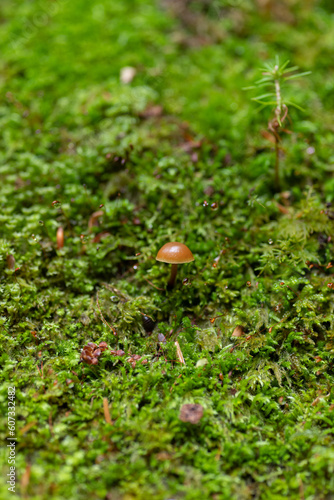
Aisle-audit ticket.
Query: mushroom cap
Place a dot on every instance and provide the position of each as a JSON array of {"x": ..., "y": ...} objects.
[{"x": 175, "y": 253}]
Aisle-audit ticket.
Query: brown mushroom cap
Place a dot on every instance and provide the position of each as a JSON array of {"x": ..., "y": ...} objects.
[{"x": 175, "y": 253}]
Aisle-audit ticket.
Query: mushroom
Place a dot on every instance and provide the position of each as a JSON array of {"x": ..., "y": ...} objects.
[{"x": 174, "y": 253}]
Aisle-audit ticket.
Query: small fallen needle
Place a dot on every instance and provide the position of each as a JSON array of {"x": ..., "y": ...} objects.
[
  {"x": 27, "y": 427},
  {"x": 179, "y": 353}
]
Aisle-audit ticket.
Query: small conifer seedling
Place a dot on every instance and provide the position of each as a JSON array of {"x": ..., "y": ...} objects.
[{"x": 274, "y": 77}]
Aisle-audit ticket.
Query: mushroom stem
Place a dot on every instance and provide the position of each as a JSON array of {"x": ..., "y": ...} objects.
[{"x": 173, "y": 272}]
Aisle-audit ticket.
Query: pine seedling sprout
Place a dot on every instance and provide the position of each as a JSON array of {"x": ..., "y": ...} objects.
[{"x": 274, "y": 77}]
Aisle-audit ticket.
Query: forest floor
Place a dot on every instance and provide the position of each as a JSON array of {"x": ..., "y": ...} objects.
[{"x": 126, "y": 125}]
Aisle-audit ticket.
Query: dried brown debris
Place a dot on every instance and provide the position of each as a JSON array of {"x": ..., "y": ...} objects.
[
  {"x": 133, "y": 360},
  {"x": 10, "y": 261},
  {"x": 119, "y": 352},
  {"x": 191, "y": 413},
  {"x": 91, "y": 352},
  {"x": 238, "y": 331}
]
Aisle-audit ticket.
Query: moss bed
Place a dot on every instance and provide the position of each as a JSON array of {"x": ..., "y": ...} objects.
[{"x": 173, "y": 150}]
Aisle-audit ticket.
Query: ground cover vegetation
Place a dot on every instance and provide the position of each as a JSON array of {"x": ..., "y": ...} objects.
[{"x": 97, "y": 173}]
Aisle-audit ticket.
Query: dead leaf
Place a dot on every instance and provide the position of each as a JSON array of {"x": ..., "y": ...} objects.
[
  {"x": 10, "y": 261},
  {"x": 201, "y": 362},
  {"x": 238, "y": 331},
  {"x": 267, "y": 135}
]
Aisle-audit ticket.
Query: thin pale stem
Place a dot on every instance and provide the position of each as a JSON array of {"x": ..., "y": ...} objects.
[
  {"x": 278, "y": 117},
  {"x": 277, "y": 163},
  {"x": 278, "y": 101}
]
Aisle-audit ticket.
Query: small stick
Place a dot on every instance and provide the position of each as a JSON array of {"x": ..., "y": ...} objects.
[
  {"x": 111, "y": 288},
  {"x": 27, "y": 427},
  {"x": 179, "y": 353},
  {"x": 106, "y": 411},
  {"x": 150, "y": 282}
]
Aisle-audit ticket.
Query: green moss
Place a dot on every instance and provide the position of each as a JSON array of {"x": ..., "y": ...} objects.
[{"x": 176, "y": 154}]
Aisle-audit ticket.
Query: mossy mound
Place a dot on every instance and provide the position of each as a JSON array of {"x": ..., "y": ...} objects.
[{"x": 174, "y": 150}]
